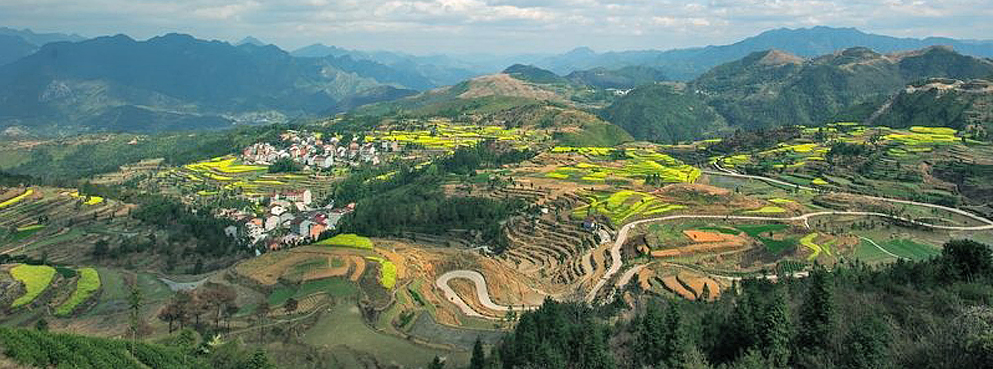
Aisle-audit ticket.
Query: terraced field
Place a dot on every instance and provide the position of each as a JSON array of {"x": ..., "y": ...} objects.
[
  {"x": 633, "y": 166},
  {"x": 560, "y": 252},
  {"x": 622, "y": 206},
  {"x": 35, "y": 278},
  {"x": 442, "y": 135},
  {"x": 86, "y": 285}
]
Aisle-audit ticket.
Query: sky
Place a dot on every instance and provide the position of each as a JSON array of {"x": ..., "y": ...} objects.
[{"x": 495, "y": 26}]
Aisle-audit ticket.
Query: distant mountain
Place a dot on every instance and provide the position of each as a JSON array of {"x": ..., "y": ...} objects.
[
  {"x": 13, "y": 48},
  {"x": 530, "y": 73},
  {"x": 39, "y": 39},
  {"x": 441, "y": 70},
  {"x": 773, "y": 88},
  {"x": 179, "y": 82},
  {"x": 249, "y": 40},
  {"x": 319, "y": 51},
  {"x": 686, "y": 64},
  {"x": 623, "y": 78}
]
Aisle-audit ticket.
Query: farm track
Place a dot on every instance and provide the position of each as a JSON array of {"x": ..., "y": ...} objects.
[{"x": 622, "y": 234}]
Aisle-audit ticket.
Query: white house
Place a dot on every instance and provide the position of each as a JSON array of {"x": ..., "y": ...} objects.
[{"x": 271, "y": 223}]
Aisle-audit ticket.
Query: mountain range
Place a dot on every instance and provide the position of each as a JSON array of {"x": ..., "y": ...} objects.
[
  {"x": 16, "y": 44},
  {"x": 686, "y": 64},
  {"x": 176, "y": 81},
  {"x": 772, "y": 88},
  {"x": 118, "y": 83}
]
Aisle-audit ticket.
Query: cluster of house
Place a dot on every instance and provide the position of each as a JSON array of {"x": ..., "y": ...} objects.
[
  {"x": 289, "y": 220},
  {"x": 313, "y": 152}
]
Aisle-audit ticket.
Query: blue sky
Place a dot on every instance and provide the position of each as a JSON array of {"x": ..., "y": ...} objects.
[{"x": 495, "y": 26}]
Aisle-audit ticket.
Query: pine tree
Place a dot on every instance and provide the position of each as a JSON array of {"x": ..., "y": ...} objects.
[
  {"x": 478, "y": 360},
  {"x": 775, "y": 330},
  {"x": 866, "y": 344},
  {"x": 817, "y": 313},
  {"x": 676, "y": 345},
  {"x": 134, "y": 300}
]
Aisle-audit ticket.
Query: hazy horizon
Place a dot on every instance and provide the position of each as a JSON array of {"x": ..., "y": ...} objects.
[{"x": 494, "y": 26}]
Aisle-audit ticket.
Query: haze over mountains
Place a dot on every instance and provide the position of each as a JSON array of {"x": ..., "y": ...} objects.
[{"x": 176, "y": 82}]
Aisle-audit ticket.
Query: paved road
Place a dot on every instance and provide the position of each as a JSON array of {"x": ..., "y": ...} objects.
[{"x": 482, "y": 293}]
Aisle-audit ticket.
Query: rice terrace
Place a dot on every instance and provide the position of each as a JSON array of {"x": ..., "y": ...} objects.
[{"x": 810, "y": 198}]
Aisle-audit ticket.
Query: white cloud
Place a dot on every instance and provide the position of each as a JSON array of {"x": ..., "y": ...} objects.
[{"x": 495, "y": 25}]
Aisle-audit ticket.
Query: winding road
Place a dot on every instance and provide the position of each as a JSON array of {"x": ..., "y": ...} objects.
[
  {"x": 615, "y": 251},
  {"x": 482, "y": 293}
]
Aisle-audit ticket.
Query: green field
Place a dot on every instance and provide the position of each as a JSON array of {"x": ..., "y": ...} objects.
[
  {"x": 910, "y": 249},
  {"x": 86, "y": 285},
  {"x": 775, "y": 246},
  {"x": 35, "y": 278},
  {"x": 636, "y": 165},
  {"x": 339, "y": 287},
  {"x": 757, "y": 229},
  {"x": 624, "y": 205},
  {"x": 869, "y": 253},
  {"x": 344, "y": 325},
  {"x": 347, "y": 240},
  {"x": 387, "y": 272}
]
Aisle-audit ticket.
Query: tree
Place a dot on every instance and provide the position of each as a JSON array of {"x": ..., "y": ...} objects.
[
  {"x": 817, "y": 313},
  {"x": 100, "y": 249},
  {"x": 437, "y": 363},
  {"x": 478, "y": 360},
  {"x": 261, "y": 312},
  {"x": 135, "y": 300},
  {"x": 775, "y": 330},
  {"x": 259, "y": 360},
  {"x": 291, "y": 305},
  {"x": 966, "y": 259},
  {"x": 170, "y": 313},
  {"x": 41, "y": 325},
  {"x": 866, "y": 344}
]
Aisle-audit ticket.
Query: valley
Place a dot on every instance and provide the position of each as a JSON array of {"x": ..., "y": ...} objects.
[{"x": 775, "y": 210}]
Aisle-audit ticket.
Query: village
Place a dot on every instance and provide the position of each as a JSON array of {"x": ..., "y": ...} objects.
[{"x": 293, "y": 216}]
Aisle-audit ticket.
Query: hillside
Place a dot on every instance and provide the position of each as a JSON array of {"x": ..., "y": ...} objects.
[
  {"x": 179, "y": 82},
  {"x": 773, "y": 88},
  {"x": 962, "y": 105},
  {"x": 13, "y": 48},
  {"x": 686, "y": 64},
  {"x": 664, "y": 113}
]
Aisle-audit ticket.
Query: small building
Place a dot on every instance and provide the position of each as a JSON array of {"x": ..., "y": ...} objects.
[
  {"x": 272, "y": 223},
  {"x": 316, "y": 230}
]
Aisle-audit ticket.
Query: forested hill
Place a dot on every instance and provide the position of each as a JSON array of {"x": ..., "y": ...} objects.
[
  {"x": 962, "y": 105},
  {"x": 773, "y": 88},
  {"x": 118, "y": 83}
]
